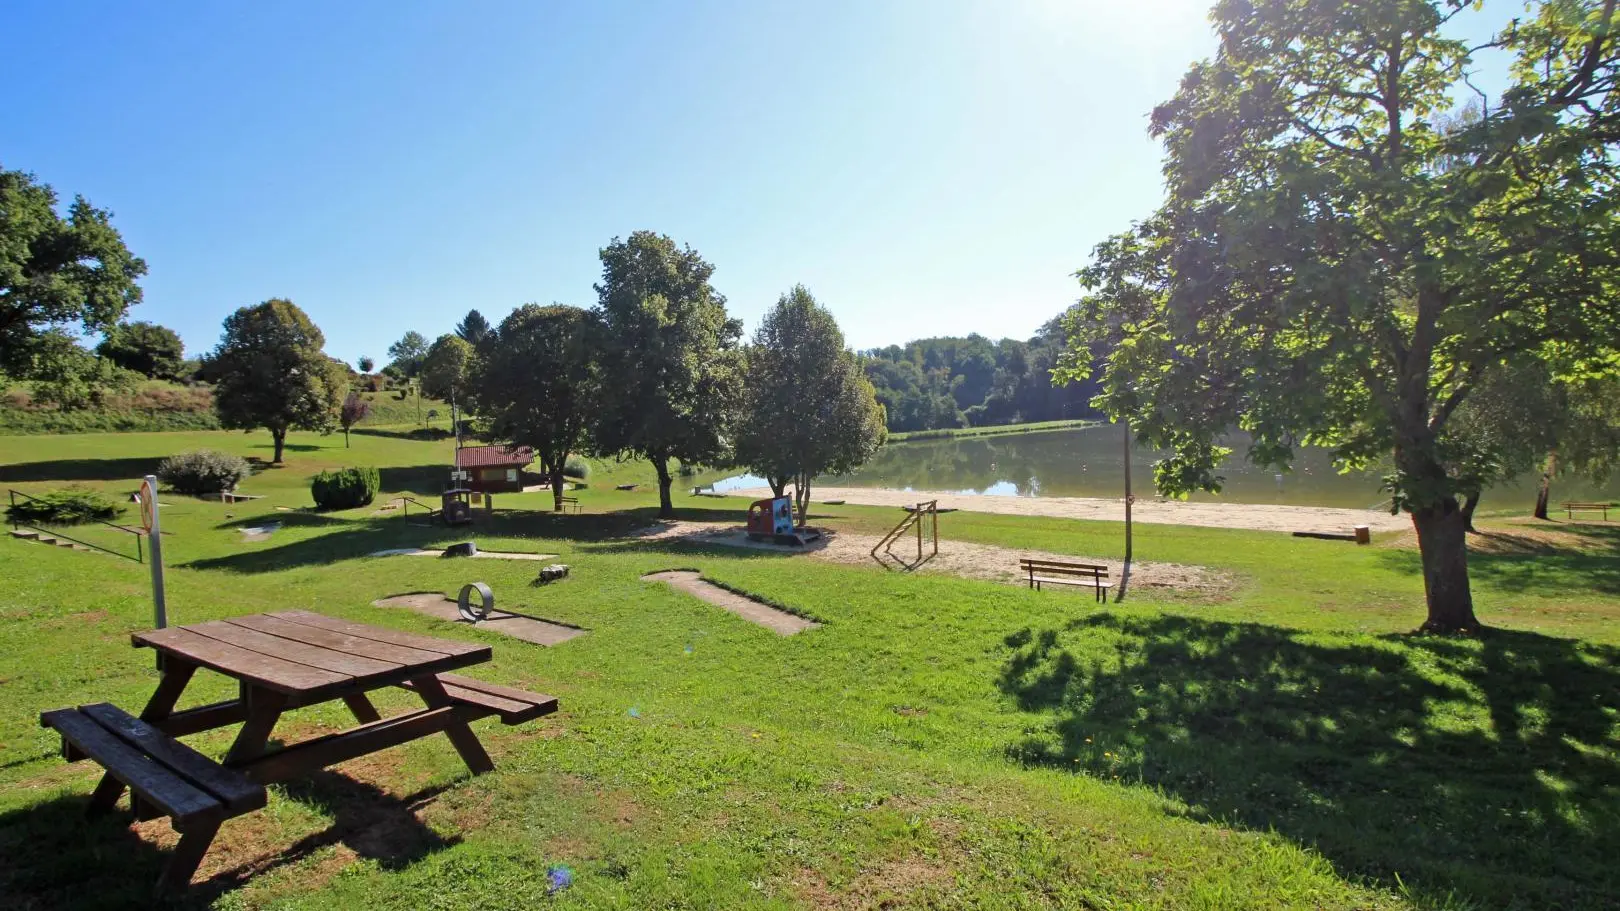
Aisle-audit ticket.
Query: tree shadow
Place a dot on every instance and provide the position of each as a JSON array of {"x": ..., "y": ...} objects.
[
  {"x": 52, "y": 856},
  {"x": 1524, "y": 563},
  {"x": 131, "y": 469},
  {"x": 1486, "y": 769}
]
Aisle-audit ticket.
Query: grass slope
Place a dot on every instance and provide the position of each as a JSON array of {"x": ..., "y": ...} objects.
[
  {"x": 939, "y": 743},
  {"x": 159, "y": 406}
]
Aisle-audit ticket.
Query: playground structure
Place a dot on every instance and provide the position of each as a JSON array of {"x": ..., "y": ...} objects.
[
  {"x": 925, "y": 513},
  {"x": 772, "y": 520}
]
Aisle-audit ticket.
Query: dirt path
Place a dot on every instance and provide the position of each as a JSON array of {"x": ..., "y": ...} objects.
[
  {"x": 957, "y": 558},
  {"x": 778, "y": 621},
  {"x": 1154, "y": 511}
]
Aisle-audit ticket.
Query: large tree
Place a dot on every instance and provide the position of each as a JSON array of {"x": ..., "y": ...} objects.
[
  {"x": 669, "y": 357},
  {"x": 446, "y": 367},
  {"x": 409, "y": 352},
  {"x": 146, "y": 348},
  {"x": 535, "y": 381},
  {"x": 807, "y": 408},
  {"x": 57, "y": 273},
  {"x": 473, "y": 328},
  {"x": 269, "y": 371},
  {"x": 1322, "y": 273}
]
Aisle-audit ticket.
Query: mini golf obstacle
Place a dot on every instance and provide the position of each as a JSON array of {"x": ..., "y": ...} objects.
[
  {"x": 774, "y": 619},
  {"x": 917, "y": 517},
  {"x": 476, "y": 606},
  {"x": 772, "y": 520}
]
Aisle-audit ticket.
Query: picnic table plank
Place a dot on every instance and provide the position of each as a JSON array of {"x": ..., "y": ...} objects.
[
  {"x": 243, "y": 664},
  {"x": 151, "y": 781},
  {"x": 237, "y": 793},
  {"x": 343, "y": 642},
  {"x": 494, "y": 689},
  {"x": 287, "y": 649},
  {"x": 392, "y": 637}
]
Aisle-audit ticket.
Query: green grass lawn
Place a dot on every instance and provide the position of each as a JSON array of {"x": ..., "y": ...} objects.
[{"x": 938, "y": 743}]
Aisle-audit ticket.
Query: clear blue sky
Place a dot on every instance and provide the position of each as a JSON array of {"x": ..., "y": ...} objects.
[{"x": 925, "y": 168}]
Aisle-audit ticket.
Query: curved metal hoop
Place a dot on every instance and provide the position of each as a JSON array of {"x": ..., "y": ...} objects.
[{"x": 474, "y": 612}]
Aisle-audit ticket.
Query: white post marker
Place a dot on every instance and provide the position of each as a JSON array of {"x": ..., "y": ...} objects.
[{"x": 152, "y": 522}]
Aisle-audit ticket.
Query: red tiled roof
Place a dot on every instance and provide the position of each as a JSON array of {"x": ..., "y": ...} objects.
[{"x": 494, "y": 456}]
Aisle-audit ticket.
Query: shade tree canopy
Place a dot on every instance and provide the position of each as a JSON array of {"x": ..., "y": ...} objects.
[
  {"x": 671, "y": 368},
  {"x": 535, "y": 381},
  {"x": 1321, "y": 272},
  {"x": 408, "y": 353},
  {"x": 57, "y": 273},
  {"x": 807, "y": 407},
  {"x": 146, "y": 348},
  {"x": 473, "y": 328},
  {"x": 269, "y": 371},
  {"x": 446, "y": 368}
]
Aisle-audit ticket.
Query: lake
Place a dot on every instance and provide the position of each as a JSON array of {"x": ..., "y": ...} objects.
[{"x": 1089, "y": 462}]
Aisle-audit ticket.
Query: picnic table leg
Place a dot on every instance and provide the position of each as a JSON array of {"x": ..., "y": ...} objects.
[
  {"x": 176, "y": 674},
  {"x": 264, "y": 710},
  {"x": 461, "y": 736},
  {"x": 364, "y": 712},
  {"x": 188, "y": 854}
]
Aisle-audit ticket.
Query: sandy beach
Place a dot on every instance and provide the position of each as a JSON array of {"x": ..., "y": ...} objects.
[{"x": 1159, "y": 512}]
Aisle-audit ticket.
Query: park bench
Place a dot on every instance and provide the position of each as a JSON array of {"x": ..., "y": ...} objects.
[
  {"x": 569, "y": 503},
  {"x": 1570, "y": 509},
  {"x": 164, "y": 776},
  {"x": 1057, "y": 572}
]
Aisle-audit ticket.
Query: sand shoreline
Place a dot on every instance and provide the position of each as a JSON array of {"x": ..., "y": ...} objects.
[{"x": 1154, "y": 511}]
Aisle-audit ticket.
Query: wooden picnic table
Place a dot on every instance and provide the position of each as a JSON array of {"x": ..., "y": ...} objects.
[{"x": 281, "y": 661}]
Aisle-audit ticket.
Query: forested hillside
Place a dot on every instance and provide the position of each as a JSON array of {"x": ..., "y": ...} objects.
[{"x": 934, "y": 383}]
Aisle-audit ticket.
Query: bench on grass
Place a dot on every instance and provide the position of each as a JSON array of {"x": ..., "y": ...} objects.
[
  {"x": 569, "y": 503},
  {"x": 1570, "y": 509},
  {"x": 164, "y": 776},
  {"x": 1057, "y": 572},
  {"x": 510, "y": 705}
]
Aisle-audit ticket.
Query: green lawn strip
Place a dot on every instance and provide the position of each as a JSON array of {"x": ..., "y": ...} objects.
[{"x": 977, "y": 744}]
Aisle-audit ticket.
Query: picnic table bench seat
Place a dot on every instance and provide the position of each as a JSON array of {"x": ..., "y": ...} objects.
[
  {"x": 164, "y": 776},
  {"x": 1059, "y": 572},
  {"x": 512, "y": 706}
]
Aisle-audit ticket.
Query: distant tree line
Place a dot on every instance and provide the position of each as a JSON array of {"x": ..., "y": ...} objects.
[{"x": 935, "y": 383}]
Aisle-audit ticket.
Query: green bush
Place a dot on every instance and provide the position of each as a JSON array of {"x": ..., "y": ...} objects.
[
  {"x": 73, "y": 506},
  {"x": 576, "y": 468},
  {"x": 203, "y": 471},
  {"x": 346, "y": 488}
]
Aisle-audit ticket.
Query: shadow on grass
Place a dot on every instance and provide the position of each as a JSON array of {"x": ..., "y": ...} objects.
[
  {"x": 131, "y": 470},
  {"x": 1482, "y": 770},
  {"x": 1524, "y": 563},
  {"x": 52, "y": 856}
]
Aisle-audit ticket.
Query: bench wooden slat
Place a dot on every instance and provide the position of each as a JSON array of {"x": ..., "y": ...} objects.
[
  {"x": 1088, "y": 583},
  {"x": 393, "y": 637},
  {"x": 290, "y": 650},
  {"x": 234, "y": 790},
  {"x": 264, "y": 670},
  {"x": 332, "y": 639},
  {"x": 513, "y": 705},
  {"x": 149, "y": 780}
]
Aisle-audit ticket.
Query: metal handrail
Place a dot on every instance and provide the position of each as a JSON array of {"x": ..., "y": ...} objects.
[{"x": 140, "y": 552}]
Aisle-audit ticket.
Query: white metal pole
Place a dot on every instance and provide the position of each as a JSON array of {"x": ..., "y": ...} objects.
[{"x": 160, "y": 608}]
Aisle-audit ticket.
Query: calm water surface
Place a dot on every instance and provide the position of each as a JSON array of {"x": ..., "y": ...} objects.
[{"x": 1090, "y": 463}]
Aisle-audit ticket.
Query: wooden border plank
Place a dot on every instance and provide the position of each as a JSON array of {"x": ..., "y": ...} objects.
[{"x": 233, "y": 789}]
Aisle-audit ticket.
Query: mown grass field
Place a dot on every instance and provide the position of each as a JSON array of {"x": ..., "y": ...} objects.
[{"x": 938, "y": 743}]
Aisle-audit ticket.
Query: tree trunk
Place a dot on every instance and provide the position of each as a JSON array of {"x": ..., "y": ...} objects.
[
  {"x": 557, "y": 487},
  {"x": 778, "y": 484},
  {"x": 1470, "y": 503},
  {"x": 345, "y": 438},
  {"x": 1443, "y": 546},
  {"x": 666, "y": 507},
  {"x": 801, "y": 496},
  {"x": 280, "y": 436},
  {"x": 1544, "y": 493}
]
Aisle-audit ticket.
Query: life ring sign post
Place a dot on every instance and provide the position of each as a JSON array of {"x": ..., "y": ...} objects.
[{"x": 152, "y": 523}]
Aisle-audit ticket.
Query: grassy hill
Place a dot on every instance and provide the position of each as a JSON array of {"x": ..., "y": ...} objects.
[
  {"x": 157, "y": 405},
  {"x": 939, "y": 742}
]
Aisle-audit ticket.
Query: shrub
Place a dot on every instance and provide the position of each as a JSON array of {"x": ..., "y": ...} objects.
[
  {"x": 345, "y": 488},
  {"x": 576, "y": 468},
  {"x": 72, "y": 506},
  {"x": 687, "y": 471},
  {"x": 203, "y": 471}
]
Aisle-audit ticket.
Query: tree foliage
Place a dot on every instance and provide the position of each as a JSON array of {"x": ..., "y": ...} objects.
[
  {"x": 807, "y": 407},
  {"x": 669, "y": 356},
  {"x": 269, "y": 371},
  {"x": 408, "y": 353},
  {"x": 365, "y": 364},
  {"x": 71, "y": 378},
  {"x": 146, "y": 348},
  {"x": 446, "y": 367},
  {"x": 536, "y": 383},
  {"x": 1322, "y": 271},
  {"x": 473, "y": 328},
  {"x": 57, "y": 273},
  {"x": 354, "y": 410}
]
